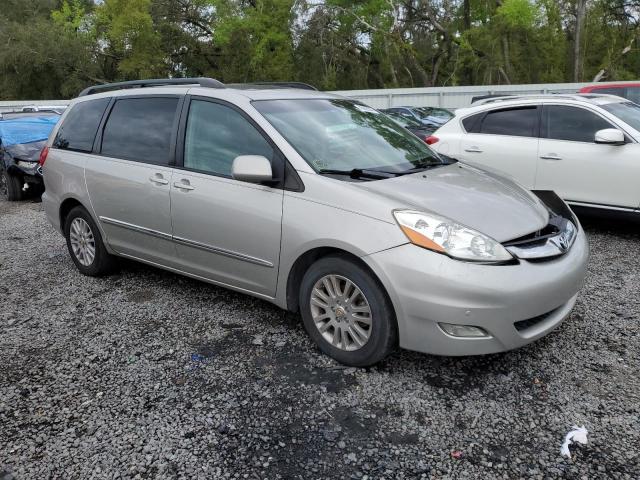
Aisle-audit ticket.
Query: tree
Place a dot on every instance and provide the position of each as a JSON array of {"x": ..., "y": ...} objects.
[{"x": 53, "y": 48}]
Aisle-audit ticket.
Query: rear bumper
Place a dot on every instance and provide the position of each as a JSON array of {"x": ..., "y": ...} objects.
[
  {"x": 427, "y": 288},
  {"x": 29, "y": 171},
  {"x": 51, "y": 207}
]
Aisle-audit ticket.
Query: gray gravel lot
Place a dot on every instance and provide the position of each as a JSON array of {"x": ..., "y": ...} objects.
[{"x": 147, "y": 374}]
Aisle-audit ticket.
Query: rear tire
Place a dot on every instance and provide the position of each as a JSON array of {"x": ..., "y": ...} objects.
[
  {"x": 85, "y": 244},
  {"x": 10, "y": 186},
  {"x": 346, "y": 312}
]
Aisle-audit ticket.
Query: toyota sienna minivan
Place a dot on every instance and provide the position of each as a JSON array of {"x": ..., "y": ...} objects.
[{"x": 318, "y": 204}]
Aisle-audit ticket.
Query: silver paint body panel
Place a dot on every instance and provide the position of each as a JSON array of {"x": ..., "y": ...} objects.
[{"x": 247, "y": 237}]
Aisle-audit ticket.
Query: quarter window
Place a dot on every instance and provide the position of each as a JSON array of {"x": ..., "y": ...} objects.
[
  {"x": 78, "y": 131},
  {"x": 140, "y": 129},
  {"x": 571, "y": 123},
  {"x": 216, "y": 135},
  {"x": 472, "y": 123},
  {"x": 519, "y": 122}
]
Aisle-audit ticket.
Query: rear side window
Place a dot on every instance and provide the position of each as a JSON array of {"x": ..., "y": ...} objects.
[
  {"x": 141, "y": 129},
  {"x": 519, "y": 122},
  {"x": 78, "y": 131},
  {"x": 571, "y": 123}
]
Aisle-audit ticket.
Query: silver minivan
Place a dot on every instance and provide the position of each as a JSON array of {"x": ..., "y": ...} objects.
[{"x": 318, "y": 204}]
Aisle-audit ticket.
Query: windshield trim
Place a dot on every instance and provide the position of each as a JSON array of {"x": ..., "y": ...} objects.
[
  {"x": 634, "y": 135},
  {"x": 438, "y": 160}
]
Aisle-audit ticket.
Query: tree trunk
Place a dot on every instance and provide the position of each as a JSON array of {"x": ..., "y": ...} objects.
[
  {"x": 581, "y": 10},
  {"x": 506, "y": 58},
  {"x": 466, "y": 14}
]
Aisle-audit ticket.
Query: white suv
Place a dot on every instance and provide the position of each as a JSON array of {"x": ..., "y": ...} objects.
[{"x": 584, "y": 147}]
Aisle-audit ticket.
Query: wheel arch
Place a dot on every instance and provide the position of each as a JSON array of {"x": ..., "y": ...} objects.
[
  {"x": 66, "y": 206},
  {"x": 308, "y": 258}
]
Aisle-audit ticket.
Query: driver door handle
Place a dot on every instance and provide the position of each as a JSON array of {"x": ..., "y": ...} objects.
[
  {"x": 473, "y": 149},
  {"x": 183, "y": 185},
  {"x": 550, "y": 156}
]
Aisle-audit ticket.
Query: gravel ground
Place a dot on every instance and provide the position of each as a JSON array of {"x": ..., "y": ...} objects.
[{"x": 147, "y": 374}]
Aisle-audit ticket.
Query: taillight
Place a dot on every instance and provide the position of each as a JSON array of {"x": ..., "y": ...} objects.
[
  {"x": 431, "y": 140},
  {"x": 43, "y": 155}
]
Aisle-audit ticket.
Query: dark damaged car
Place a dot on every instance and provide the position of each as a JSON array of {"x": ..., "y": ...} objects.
[{"x": 23, "y": 134}]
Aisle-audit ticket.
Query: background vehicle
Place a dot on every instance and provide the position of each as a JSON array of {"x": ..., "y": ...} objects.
[
  {"x": 430, "y": 117},
  {"x": 318, "y": 204},
  {"x": 23, "y": 134},
  {"x": 584, "y": 147},
  {"x": 411, "y": 124},
  {"x": 630, "y": 91}
]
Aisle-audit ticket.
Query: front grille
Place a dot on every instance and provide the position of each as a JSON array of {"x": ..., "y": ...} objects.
[
  {"x": 523, "y": 325},
  {"x": 538, "y": 237},
  {"x": 555, "y": 239}
]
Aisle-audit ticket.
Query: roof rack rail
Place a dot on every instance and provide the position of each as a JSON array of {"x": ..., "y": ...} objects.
[
  {"x": 202, "y": 81},
  {"x": 300, "y": 85}
]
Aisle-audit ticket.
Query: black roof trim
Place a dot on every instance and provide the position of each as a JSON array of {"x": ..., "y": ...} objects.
[{"x": 201, "y": 81}]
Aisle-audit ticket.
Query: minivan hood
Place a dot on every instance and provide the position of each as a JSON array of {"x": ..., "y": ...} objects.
[{"x": 484, "y": 201}]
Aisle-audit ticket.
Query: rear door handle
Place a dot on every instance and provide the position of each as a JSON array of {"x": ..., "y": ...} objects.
[
  {"x": 473, "y": 150},
  {"x": 184, "y": 185},
  {"x": 158, "y": 179},
  {"x": 550, "y": 156}
]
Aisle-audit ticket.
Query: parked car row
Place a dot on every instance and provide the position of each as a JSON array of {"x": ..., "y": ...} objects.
[
  {"x": 318, "y": 204},
  {"x": 429, "y": 117}
]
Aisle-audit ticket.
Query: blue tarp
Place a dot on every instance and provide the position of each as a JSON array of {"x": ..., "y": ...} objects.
[{"x": 26, "y": 130}]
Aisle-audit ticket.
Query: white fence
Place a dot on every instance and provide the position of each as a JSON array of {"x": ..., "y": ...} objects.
[
  {"x": 448, "y": 97},
  {"x": 10, "y": 104},
  {"x": 453, "y": 97}
]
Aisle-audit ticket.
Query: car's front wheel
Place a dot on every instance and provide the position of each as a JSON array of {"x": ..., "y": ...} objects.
[
  {"x": 346, "y": 312},
  {"x": 85, "y": 244}
]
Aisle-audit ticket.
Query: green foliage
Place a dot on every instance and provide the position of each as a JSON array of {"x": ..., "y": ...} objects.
[
  {"x": 71, "y": 15},
  {"x": 518, "y": 14},
  {"x": 127, "y": 28},
  {"x": 53, "y": 48},
  {"x": 256, "y": 41}
]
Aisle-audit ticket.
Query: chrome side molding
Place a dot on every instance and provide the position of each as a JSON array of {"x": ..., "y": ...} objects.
[{"x": 187, "y": 242}]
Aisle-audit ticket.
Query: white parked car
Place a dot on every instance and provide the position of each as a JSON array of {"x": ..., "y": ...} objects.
[{"x": 583, "y": 147}]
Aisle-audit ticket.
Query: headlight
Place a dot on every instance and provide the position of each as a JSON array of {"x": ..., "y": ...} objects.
[{"x": 446, "y": 236}]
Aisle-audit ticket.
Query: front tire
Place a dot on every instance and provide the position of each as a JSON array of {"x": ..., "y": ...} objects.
[
  {"x": 85, "y": 244},
  {"x": 346, "y": 312}
]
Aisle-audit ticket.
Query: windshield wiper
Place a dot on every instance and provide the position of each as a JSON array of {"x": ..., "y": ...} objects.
[
  {"x": 447, "y": 159},
  {"x": 358, "y": 173},
  {"x": 423, "y": 164}
]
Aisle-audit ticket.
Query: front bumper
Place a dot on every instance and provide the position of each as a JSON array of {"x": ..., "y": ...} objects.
[{"x": 427, "y": 288}]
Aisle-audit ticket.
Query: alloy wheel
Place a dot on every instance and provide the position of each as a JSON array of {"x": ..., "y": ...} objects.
[
  {"x": 83, "y": 242},
  {"x": 341, "y": 312}
]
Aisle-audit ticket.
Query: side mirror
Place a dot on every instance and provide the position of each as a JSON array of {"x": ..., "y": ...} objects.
[
  {"x": 252, "y": 169},
  {"x": 610, "y": 136}
]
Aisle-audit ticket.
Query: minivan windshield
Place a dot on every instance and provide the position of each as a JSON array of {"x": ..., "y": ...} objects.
[
  {"x": 628, "y": 112},
  {"x": 339, "y": 135}
]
